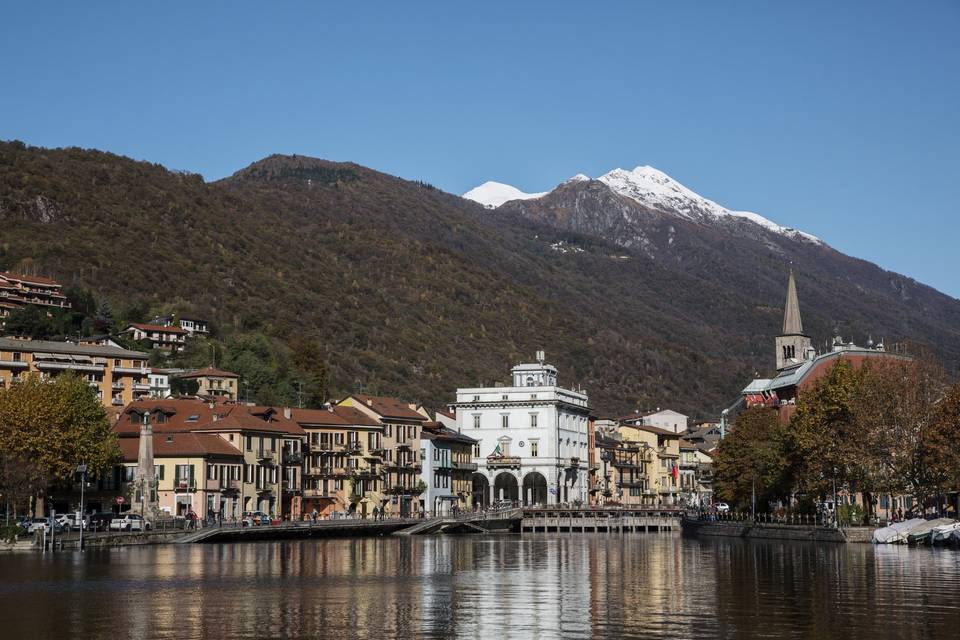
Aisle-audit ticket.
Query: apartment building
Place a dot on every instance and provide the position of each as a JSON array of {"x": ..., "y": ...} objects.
[
  {"x": 17, "y": 291},
  {"x": 196, "y": 472},
  {"x": 401, "y": 449},
  {"x": 159, "y": 336},
  {"x": 447, "y": 469},
  {"x": 270, "y": 443},
  {"x": 215, "y": 383},
  {"x": 343, "y": 460},
  {"x": 193, "y": 326},
  {"x": 119, "y": 376},
  {"x": 662, "y": 485}
]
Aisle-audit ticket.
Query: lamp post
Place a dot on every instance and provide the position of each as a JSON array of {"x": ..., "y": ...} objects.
[{"x": 82, "y": 470}]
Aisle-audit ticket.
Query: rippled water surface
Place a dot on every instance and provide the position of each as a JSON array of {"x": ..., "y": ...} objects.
[{"x": 563, "y": 586}]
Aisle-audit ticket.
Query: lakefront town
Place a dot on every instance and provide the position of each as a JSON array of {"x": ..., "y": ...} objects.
[{"x": 104, "y": 445}]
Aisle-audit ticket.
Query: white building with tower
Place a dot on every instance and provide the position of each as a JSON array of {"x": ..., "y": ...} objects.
[{"x": 532, "y": 438}]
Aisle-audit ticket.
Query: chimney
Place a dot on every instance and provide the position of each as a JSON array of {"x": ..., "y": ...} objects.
[
  {"x": 287, "y": 413},
  {"x": 369, "y": 402}
]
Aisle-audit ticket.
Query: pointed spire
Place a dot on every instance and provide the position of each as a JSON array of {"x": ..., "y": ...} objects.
[{"x": 791, "y": 312}]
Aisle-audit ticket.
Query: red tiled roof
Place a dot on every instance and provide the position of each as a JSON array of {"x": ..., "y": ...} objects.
[
  {"x": 173, "y": 445},
  {"x": 157, "y": 327},
  {"x": 338, "y": 416},
  {"x": 210, "y": 372},
  {"x": 31, "y": 279},
  {"x": 219, "y": 417},
  {"x": 388, "y": 407},
  {"x": 449, "y": 414}
]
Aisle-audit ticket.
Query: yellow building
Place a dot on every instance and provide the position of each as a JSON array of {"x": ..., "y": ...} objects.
[
  {"x": 401, "y": 445},
  {"x": 269, "y": 442},
  {"x": 195, "y": 472},
  {"x": 215, "y": 383},
  {"x": 344, "y": 454},
  {"x": 120, "y": 376},
  {"x": 662, "y": 486}
]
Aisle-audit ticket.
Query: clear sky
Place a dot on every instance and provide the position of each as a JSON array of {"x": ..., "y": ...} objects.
[{"x": 839, "y": 118}]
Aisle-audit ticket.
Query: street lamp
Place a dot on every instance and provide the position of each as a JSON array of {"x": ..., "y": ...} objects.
[{"x": 82, "y": 470}]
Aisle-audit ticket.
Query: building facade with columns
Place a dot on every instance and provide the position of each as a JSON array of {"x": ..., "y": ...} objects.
[{"x": 532, "y": 438}]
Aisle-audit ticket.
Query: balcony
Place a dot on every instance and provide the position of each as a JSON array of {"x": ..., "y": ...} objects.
[
  {"x": 184, "y": 486},
  {"x": 138, "y": 370},
  {"x": 320, "y": 493},
  {"x": 292, "y": 457},
  {"x": 503, "y": 462},
  {"x": 403, "y": 445},
  {"x": 14, "y": 364},
  {"x": 290, "y": 487},
  {"x": 465, "y": 466},
  {"x": 319, "y": 471},
  {"x": 404, "y": 491},
  {"x": 229, "y": 485},
  {"x": 118, "y": 386},
  {"x": 265, "y": 455},
  {"x": 574, "y": 463},
  {"x": 375, "y": 453},
  {"x": 141, "y": 386},
  {"x": 352, "y": 447},
  {"x": 69, "y": 366}
]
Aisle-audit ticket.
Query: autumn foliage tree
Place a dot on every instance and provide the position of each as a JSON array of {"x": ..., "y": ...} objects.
[
  {"x": 53, "y": 426},
  {"x": 751, "y": 458}
]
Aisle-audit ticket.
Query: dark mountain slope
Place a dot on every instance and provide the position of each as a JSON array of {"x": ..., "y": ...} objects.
[{"x": 414, "y": 292}]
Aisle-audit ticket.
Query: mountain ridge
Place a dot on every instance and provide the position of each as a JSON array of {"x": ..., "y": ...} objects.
[{"x": 412, "y": 291}]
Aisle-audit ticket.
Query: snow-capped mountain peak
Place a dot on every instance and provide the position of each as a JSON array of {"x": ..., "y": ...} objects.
[
  {"x": 656, "y": 190},
  {"x": 649, "y": 187},
  {"x": 493, "y": 194}
]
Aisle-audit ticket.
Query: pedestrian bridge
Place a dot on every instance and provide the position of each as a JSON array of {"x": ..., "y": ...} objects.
[{"x": 481, "y": 522}]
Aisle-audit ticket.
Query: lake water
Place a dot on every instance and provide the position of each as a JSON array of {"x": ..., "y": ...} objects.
[{"x": 535, "y": 586}]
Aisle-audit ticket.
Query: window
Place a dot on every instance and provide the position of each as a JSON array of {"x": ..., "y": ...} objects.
[
  {"x": 249, "y": 443},
  {"x": 159, "y": 417},
  {"x": 506, "y": 397},
  {"x": 475, "y": 398},
  {"x": 476, "y": 421},
  {"x": 160, "y": 472},
  {"x": 533, "y": 420},
  {"x": 534, "y": 448},
  {"x": 16, "y": 356},
  {"x": 436, "y": 454},
  {"x": 505, "y": 420},
  {"x": 476, "y": 450},
  {"x": 116, "y": 363}
]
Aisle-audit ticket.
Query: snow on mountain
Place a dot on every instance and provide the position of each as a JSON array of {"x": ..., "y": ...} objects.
[
  {"x": 657, "y": 190},
  {"x": 493, "y": 194},
  {"x": 648, "y": 186}
]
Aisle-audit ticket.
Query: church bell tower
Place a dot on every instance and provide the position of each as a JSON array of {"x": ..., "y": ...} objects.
[{"x": 793, "y": 345}]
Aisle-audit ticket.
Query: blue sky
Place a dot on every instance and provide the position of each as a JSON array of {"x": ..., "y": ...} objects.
[{"x": 842, "y": 119}]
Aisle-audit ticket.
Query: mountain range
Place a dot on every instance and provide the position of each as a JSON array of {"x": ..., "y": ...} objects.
[{"x": 639, "y": 290}]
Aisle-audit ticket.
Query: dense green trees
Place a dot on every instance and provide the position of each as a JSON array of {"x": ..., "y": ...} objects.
[{"x": 889, "y": 427}]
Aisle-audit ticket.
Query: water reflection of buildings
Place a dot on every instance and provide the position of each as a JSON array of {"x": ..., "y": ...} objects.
[{"x": 487, "y": 587}]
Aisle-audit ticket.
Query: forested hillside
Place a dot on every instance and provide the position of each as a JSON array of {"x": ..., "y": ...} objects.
[{"x": 411, "y": 291}]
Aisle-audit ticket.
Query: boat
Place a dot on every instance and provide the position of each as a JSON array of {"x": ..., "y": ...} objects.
[
  {"x": 943, "y": 533},
  {"x": 921, "y": 533},
  {"x": 896, "y": 532}
]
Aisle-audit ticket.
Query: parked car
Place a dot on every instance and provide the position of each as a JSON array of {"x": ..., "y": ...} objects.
[
  {"x": 129, "y": 522},
  {"x": 43, "y": 524},
  {"x": 722, "y": 507},
  {"x": 71, "y": 522},
  {"x": 101, "y": 521}
]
